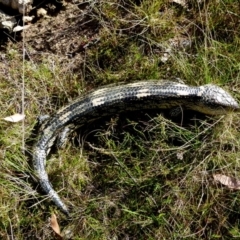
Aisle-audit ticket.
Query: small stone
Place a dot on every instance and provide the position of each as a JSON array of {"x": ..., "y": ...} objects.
[
  {"x": 41, "y": 12},
  {"x": 27, "y": 18},
  {"x": 20, "y": 28}
]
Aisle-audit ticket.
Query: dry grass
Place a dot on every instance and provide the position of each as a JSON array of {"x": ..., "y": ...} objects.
[{"x": 132, "y": 176}]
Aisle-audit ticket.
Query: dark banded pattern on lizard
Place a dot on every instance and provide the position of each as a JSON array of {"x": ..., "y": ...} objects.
[{"x": 207, "y": 99}]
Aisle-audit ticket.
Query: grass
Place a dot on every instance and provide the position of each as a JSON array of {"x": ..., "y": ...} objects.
[{"x": 131, "y": 176}]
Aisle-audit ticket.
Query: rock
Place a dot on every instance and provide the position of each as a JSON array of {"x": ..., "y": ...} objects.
[
  {"x": 6, "y": 21},
  {"x": 20, "y": 5}
]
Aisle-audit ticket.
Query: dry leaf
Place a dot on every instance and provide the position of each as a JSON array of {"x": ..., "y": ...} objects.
[
  {"x": 230, "y": 182},
  {"x": 15, "y": 118},
  {"x": 54, "y": 225}
]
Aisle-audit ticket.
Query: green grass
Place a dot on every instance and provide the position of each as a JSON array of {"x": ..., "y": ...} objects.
[{"x": 129, "y": 176}]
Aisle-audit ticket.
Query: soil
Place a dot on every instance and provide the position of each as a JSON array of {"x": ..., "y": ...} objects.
[{"x": 62, "y": 28}]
